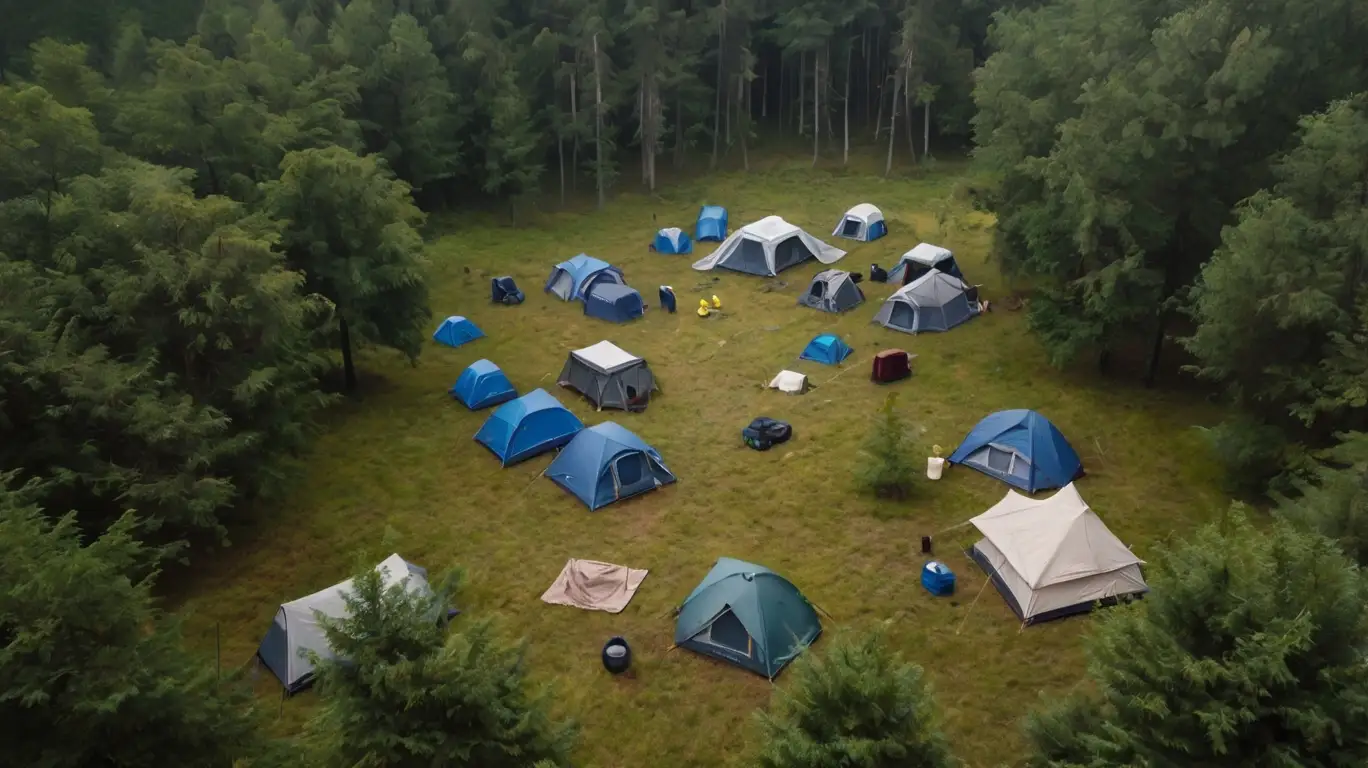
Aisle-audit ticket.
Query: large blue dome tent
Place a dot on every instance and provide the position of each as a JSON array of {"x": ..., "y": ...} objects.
[
  {"x": 456, "y": 330},
  {"x": 607, "y": 463},
  {"x": 712, "y": 224},
  {"x": 481, "y": 385},
  {"x": 572, "y": 279},
  {"x": 827, "y": 349},
  {"x": 530, "y": 425},
  {"x": 1020, "y": 448}
]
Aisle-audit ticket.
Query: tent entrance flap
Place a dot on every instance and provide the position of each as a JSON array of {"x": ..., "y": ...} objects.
[
  {"x": 851, "y": 228},
  {"x": 727, "y": 632}
]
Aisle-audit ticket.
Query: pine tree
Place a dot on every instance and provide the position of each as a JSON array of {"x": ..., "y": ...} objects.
[
  {"x": 410, "y": 693},
  {"x": 351, "y": 228},
  {"x": 1249, "y": 650},
  {"x": 889, "y": 471},
  {"x": 90, "y": 672},
  {"x": 856, "y": 703},
  {"x": 1335, "y": 503}
]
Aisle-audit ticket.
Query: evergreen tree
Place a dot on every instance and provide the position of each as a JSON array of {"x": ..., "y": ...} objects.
[
  {"x": 856, "y": 703},
  {"x": 1248, "y": 651},
  {"x": 91, "y": 673},
  {"x": 889, "y": 471},
  {"x": 410, "y": 693},
  {"x": 1335, "y": 503},
  {"x": 351, "y": 228}
]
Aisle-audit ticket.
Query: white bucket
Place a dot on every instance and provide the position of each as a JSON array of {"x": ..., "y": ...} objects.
[{"x": 934, "y": 466}]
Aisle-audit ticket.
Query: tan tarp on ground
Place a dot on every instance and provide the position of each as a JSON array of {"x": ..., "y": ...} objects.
[{"x": 594, "y": 586}]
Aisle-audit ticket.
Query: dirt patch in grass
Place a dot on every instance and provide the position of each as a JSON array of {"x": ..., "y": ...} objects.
[{"x": 399, "y": 471}]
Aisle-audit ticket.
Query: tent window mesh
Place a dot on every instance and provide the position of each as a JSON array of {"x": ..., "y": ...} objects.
[
  {"x": 726, "y": 632},
  {"x": 629, "y": 469},
  {"x": 850, "y": 228}
]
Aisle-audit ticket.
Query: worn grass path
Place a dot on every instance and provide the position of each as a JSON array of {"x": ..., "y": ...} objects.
[{"x": 398, "y": 471}]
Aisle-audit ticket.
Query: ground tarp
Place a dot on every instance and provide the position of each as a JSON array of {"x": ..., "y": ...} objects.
[{"x": 594, "y": 586}]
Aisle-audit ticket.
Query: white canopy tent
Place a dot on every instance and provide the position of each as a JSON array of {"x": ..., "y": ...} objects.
[
  {"x": 768, "y": 247},
  {"x": 297, "y": 631},
  {"x": 1054, "y": 557}
]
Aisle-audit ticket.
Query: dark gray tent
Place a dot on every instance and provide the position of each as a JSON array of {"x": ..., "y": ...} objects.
[
  {"x": 832, "y": 290},
  {"x": 609, "y": 376},
  {"x": 933, "y": 302}
]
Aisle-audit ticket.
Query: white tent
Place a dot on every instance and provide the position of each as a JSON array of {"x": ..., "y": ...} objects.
[
  {"x": 768, "y": 247},
  {"x": 923, "y": 258},
  {"x": 296, "y": 629},
  {"x": 1054, "y": 557},
  {"x": 863, "y": 222}
]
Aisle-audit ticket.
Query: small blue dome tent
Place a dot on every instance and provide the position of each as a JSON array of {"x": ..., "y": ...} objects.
[
  {"x": 456, "y": 330},
  {"x": 572, "y": 279},
  {"x": 712, "y": 224},
  {"x": 607, "y": 463},
  {"x": 530, "y": 425},
  {"x": 616, "y": 303},
  {"x": 827, "y": 349},
  {"x": 1020, "y": 448},
  {"x": 481, "y": 385},
  {"x": 672, "y": 240}
]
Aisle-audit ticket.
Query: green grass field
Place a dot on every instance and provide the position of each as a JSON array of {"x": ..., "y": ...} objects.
[{"x": 397, "y": 470}]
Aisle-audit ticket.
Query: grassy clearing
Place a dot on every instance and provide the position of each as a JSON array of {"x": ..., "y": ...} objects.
[{"x": 399, "y": 472}]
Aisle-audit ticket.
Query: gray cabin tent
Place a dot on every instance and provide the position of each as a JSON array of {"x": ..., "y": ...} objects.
[
  {"x": 922, "y": 259},
  {"x": 296, "y": 631},
  {"x": 832, "y": 290},
  {"x": 934, "y": 302},
  {"x": 609, "y": 376},
  {"x": 767, "y": 247}
]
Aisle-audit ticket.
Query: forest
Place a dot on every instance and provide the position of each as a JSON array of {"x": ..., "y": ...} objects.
[{"x": 209, "y": 211}]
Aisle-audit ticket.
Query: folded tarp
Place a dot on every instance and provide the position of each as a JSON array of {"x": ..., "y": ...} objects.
[{"x": 594, "y": 586}]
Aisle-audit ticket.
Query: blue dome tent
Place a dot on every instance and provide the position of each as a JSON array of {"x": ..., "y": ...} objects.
[
  {"x": 1020, "y": 448},
  {"x": 712, "y": 223},
  {"x": 607, "y": 463},
  {"x": 572, "y": 279},
  {"x": 616, "y": 303},
  {"x": 481, "y": 385},
  {"x": 672, "y": 240},
  {"x": 530, "y": 425},
  {"x": 456, "y": 330},
  {"x": 827, "y": 349}
]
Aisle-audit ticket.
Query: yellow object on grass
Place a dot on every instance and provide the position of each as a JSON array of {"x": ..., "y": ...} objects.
[
  {"x": 717, "y": 303},
  {"x": 703, "y": 310}
]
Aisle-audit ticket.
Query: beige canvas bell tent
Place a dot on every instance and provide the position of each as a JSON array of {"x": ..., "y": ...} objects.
[{"x": 1054, "y": 557}]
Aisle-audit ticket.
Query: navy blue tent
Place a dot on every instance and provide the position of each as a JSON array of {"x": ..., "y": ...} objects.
[
  {"x": 607, "y": 463},
  {"x": 712, "y": 223},
  {"x": 1020, "y": 448},
  {"x": 827, "y": 349},
  {"x": 533, "y": 424},
  {"x": 481, "y": 385},
  {"x": 617, "y": 303},
  {"x": 672, "y": 240},
  {"x": 456, "y": 330}
]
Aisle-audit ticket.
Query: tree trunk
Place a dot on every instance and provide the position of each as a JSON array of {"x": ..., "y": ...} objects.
[
  {"x": 652, "y": 99},
  {"x": 679, "y": 131},
  {"x": 764, "y": 95},
  {"x": 574, "y": 120},
  {"x": 826, "y": 113},
  {"x": 598, "y": 124},
  {"x": 641, "y": 124},
  {"x": 845, "y": 109},
  {"x": 348, "y": 368},
  {"x": 743, "y": 116},
  {"x": 893, "y": 122},
  {"x": 802, "y": 91},
  {"x": 717, "y": 107},
  {"x": 727, "y": 120},
  {"x": 926, "y": 130},
  {"x": 1157, "y": 347},
  {"x": 878, "y": 120},
  {"x": 1104, "y": 359},
  {"x": 816, "y": 103},
  {"x": 907, "y": 112},
  {"x": 560, "y": 161}
]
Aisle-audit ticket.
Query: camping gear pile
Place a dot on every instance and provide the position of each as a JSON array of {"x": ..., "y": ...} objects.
[
  {"x": 503, "y": 290},
  {"x": 764, "y": 433}
]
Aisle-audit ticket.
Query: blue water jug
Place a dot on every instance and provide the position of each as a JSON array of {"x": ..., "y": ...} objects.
[{"x": 938, "y": 579}]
